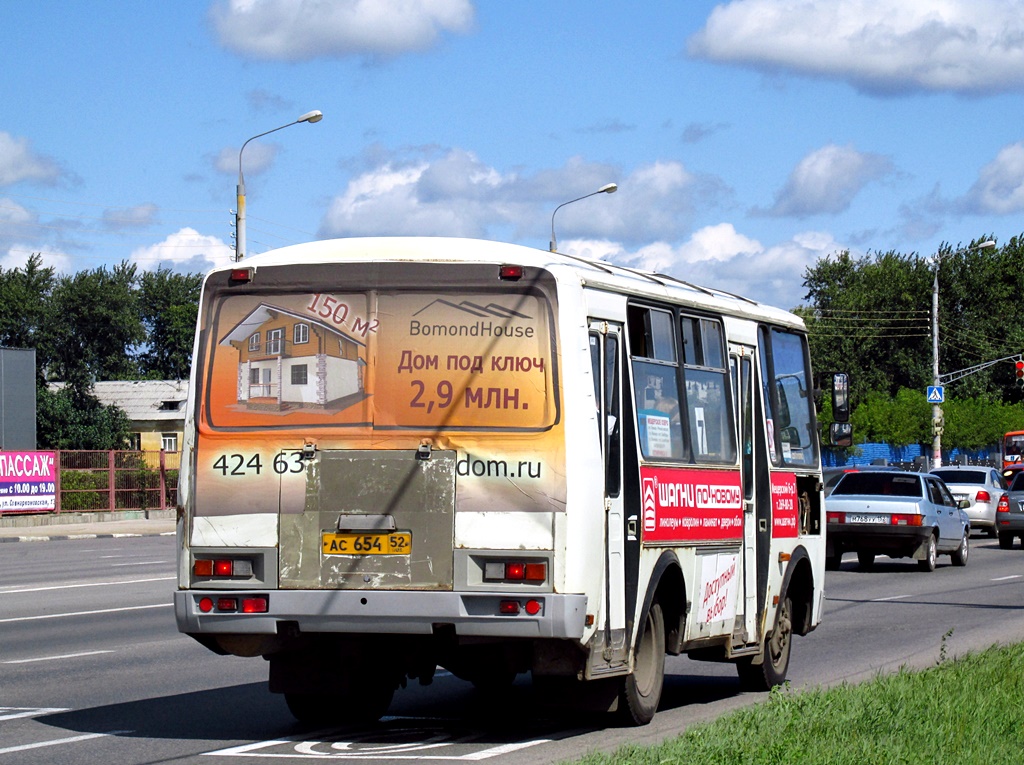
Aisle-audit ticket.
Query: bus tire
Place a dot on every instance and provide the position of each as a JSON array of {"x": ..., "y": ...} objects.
[
  {"x": 777, "y": 649},
  {"x": 641, "y": 692}
]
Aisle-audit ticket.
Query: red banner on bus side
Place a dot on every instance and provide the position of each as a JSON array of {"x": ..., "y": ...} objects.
[
  {"x": 784, "y": 505},
  {"x": 686, "y": 505}
]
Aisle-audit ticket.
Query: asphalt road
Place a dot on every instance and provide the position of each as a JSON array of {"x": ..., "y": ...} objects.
[{"x": 92, "y": 669}]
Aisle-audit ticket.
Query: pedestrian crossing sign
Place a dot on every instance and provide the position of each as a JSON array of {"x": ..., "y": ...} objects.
[{"x": 936, "y": 394}]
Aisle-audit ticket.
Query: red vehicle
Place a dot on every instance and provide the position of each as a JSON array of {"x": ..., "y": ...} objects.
[{"x": 1013, "y": 449}]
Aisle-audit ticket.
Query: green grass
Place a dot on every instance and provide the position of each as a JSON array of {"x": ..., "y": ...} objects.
[{"x": 964, "y": 711}]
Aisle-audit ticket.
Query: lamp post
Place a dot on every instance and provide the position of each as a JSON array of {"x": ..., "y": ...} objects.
[
  {"x": 608, "y": 188},
  {"x": 311, "y": 117},
  {"x": 937, "y": 379}
]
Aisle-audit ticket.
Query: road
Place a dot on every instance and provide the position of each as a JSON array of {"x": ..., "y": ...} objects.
[{"x": 92, "y": 669}]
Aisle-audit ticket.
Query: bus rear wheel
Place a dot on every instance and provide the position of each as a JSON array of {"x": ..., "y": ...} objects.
[
  {"x": 641, "y": 692},
  {"x": 777, "y": 648}
]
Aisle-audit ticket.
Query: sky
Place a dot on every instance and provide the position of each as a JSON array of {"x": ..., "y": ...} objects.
[{"x": 749, "y": 138}]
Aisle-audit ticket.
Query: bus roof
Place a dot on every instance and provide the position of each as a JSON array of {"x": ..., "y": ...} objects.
[{"x": 596, "y": 274}]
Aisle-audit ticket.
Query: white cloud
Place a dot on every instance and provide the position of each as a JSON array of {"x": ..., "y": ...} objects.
[
  {"x": 258, "y": 156},
  {"x": 964, "y": 46},
  {"x": 720, "y": 257},
  {"x": 458, "y": 195},
  {"x": 185, "y": 250},
  {"x": 18, "y": 254},
  {"x": 301, "y": 30},
  {"x": 19, "y": 163},
  {"x": 827, "y": 180},
  {"x": 139, "y": 216},
  {"x": 1000, "y": 185}
]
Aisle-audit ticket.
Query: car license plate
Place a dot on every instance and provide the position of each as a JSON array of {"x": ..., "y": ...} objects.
[
  {"x": 391, "y": 543},
  {"x": 867, "y": 518}
]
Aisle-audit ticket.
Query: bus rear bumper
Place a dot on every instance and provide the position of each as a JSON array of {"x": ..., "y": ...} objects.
[{"x": 477, "y": 614}]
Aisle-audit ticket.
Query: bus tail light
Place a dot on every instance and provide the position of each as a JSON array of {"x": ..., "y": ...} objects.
[
  {"x": 535, "y": 572},
  {"x": 232, "y": 604},
  {"x": 242, "y": 275},
  {"x": 510, "y": 273},
  {"x": 222, "y": 568}
]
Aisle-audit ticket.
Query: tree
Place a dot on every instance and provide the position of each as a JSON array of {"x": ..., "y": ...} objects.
[
  {"x": 24, "y": 294},
  {"x": 168, "y": 305},
  {"x": 93, "y": 327}
]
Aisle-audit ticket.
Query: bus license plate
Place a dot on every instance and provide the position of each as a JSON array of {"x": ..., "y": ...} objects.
[
  {"x": 866, "y": 518},
  {"x": 393, "y": 543}
]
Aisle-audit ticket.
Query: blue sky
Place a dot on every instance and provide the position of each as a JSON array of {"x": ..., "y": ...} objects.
[{"x": 748, "y": 138}]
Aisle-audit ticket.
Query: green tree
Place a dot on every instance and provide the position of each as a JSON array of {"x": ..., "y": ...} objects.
[
  {"x": 93, "y": 327},
  {"x": 168, "y": 304},
  {"x": 24, "y": 293}
]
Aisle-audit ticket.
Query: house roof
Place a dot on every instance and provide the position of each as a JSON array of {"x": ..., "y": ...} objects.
[{"x": 143, "y": 399}]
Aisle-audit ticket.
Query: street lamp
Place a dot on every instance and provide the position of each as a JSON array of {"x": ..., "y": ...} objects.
[
  {"x": 314, "y": 116},
  {"x": 608, "y": 188},
  {"x": 937, "y": 380}
]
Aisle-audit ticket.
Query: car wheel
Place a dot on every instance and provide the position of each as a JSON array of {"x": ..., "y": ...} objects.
[
  {"x": 777, "y": 648},
  {"x": 1005, "y": 541},
  {"x": 865, "y": 560},
  {"x": 960, "y": 554},
  {"x": 928, "y": 562},
  {"x": 641, "y": 691}
]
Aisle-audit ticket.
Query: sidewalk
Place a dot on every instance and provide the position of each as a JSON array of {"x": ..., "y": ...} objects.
[{"x": 51, "y": 527}]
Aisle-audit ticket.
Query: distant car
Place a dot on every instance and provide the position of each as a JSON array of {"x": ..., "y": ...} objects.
[
  {"x": 983, "y": 486},
  {"x": 1010, "y": 515},
  {"x": 895, "y": 513}
]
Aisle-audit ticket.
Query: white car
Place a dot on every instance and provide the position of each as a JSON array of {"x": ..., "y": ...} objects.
[{"x": 982, "y": 486}]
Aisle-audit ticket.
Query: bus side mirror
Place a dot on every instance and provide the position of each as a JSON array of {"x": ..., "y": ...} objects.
[
  {"x": 841, "y": 434},
  {"x": 841, "y": 397}
]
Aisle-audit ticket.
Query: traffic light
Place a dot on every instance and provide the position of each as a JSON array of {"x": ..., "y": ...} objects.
[{"x": 1019, "y": 364}]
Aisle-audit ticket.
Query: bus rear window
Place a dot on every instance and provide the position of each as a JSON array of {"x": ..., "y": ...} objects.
[{"x": 406, "y": 359}]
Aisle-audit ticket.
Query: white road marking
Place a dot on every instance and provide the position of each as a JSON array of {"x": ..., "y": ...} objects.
[
  {"x": 88, "y": 584},
  {"x": 375, "y": 749},
  {"x": 83, "y": 613},
  {"x": 17, "y": 713},
  {"x": 1006, "y": 578},
  {"x": 140, "y": 563},
  {"x": 59, "y": 741},
  {"x": 53, "y": 658},
  {"x": 891, "y": 597}
]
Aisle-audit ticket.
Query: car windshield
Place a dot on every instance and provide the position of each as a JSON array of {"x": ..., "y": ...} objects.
[
  {"x": 960, "y": 476},
  {"x": 885, "y": 484}
]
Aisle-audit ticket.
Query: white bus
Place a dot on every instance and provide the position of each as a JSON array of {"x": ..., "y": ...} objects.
[{"x": 405, "y": 453}]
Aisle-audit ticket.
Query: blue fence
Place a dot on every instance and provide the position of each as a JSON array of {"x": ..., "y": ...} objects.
[{"x": 886, "y": 454}]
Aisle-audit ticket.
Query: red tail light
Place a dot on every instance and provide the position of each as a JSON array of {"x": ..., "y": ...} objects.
[
  {"x": 901, "y": 519},
  {"x": 983, "y": 496},
  {"x": 1004, "y": 504},
  {"x": 835, "y": 517}
]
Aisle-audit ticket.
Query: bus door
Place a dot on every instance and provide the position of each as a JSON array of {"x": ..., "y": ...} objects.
[
  {"x": 606, "y": 361},
  {"x": 742, "y": 366}
]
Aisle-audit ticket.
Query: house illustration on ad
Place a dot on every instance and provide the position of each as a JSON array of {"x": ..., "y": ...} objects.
[{"x": 289, "y": 361}]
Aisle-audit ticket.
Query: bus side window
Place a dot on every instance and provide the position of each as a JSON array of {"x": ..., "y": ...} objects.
[
  {"x": 707, "y": 395},
  {"x": 652, "y": 349}
]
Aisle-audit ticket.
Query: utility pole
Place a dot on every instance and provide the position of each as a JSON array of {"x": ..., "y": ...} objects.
[{"x": 936, "y": 377}]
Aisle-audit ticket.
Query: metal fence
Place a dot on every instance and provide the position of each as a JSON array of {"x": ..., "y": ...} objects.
[{"x": 116, "y": 480}]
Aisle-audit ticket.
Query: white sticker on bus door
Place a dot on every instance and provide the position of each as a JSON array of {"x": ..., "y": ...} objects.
[{"x": 719, "y": 585}]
